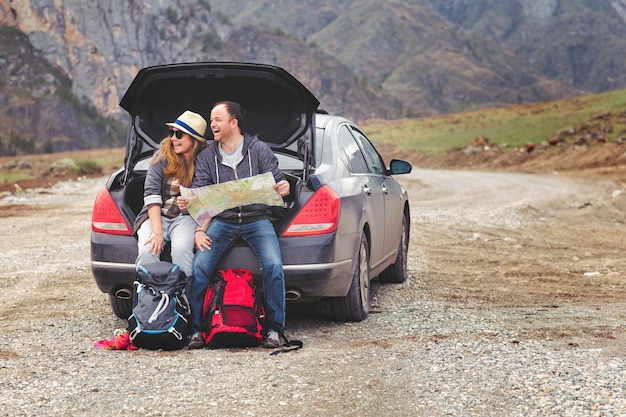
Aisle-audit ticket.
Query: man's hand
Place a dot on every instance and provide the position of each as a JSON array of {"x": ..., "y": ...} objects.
[
  {"x": 282, "y": 188},
  {"x": 182, "y": 203}
]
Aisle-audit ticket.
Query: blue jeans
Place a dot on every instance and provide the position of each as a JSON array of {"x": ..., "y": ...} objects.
[
  {"x": 261, "y": 237},
  {"x": 179, "y": 232}
]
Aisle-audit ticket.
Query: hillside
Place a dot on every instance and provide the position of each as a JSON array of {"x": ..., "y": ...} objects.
[
  {"x": 594, "y": 145},
  {"x": 603, "y": 160},
  {"x": 585, "y": 133},
  {"x": 607, "y": 160}
]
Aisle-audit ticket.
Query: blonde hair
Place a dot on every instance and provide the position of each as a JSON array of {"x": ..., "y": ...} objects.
[{"x": 177, "y": 166}]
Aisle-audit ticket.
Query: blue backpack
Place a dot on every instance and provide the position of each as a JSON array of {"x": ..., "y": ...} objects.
[{"x": 160, "y": 308}]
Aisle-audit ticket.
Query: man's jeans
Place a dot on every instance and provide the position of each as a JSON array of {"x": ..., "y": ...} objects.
[{"x": 261, "y": 237}]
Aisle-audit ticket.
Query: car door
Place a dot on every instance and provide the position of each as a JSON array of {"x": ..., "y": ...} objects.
[
  {"x": 388, "y": 193},
  {"x": 371, "y": 184}
]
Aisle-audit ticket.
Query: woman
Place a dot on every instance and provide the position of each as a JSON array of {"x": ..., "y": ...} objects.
[{"x": 172, "y": 165}]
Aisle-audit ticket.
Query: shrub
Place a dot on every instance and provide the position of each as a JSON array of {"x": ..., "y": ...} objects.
[{"x": 86, "y": 167}]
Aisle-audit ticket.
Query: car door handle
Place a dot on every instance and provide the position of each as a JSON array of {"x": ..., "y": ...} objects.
[
  {"x": 385, "y": 189},
  {"x": 367, "y": 190}
]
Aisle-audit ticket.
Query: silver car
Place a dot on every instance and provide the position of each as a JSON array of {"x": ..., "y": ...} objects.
[{"x": 346, "y": 221}]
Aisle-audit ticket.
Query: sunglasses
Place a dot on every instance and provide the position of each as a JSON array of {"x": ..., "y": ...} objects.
[{"x": 179, "y": 133}]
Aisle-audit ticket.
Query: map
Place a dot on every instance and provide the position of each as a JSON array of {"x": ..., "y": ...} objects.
[{"x": 209, "y": 201}]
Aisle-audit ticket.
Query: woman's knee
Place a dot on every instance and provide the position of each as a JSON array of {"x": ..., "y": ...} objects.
[{"x": 182, "y": 251}]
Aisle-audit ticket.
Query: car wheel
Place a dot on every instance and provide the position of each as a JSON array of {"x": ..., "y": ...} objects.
[
  {"x": 355, "y": 306},
  {"x": 398, "y": 271},
  {"x": 121, "y": 303}
]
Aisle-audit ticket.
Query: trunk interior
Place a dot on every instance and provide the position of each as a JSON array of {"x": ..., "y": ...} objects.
[{"x": 272, "y": 114}]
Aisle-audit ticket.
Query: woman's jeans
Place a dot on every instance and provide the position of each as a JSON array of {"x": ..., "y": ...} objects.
[
  {"x": 179, "y": 232},
  {"x": 261, "y": 237}
]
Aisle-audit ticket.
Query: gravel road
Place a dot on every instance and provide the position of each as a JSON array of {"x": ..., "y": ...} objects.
[{"x": 514, "y": 307}]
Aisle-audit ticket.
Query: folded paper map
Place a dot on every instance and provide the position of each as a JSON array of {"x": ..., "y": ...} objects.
[{"x": 209, "y": 201}]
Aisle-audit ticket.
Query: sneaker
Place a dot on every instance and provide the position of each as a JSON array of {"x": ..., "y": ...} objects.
[
  {"x": 196, "y": 341},
  {"x": 272, "y": 340}
]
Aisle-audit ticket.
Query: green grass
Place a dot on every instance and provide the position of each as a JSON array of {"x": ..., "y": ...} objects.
[
  {"x": 13, "y": 177},
  {"x": 511, "y": 125},
  {"x": 63, "y": 165}
]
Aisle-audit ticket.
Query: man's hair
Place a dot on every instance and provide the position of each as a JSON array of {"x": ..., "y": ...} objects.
[{"x": 235, "y": 110}]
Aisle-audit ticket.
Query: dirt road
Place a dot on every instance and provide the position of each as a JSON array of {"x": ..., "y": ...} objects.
[
  {"x": 550, "y": 244},
  {"x": 514, "y": 303}
]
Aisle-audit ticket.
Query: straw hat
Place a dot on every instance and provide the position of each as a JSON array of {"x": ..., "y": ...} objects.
[{"x": 192, "y": 123}]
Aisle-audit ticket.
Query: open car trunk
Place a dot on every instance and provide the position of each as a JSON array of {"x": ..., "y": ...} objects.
[{"x": 279, "y": 110}]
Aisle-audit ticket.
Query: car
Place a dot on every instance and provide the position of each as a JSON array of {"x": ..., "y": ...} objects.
[{"x": 345, "y": 222}]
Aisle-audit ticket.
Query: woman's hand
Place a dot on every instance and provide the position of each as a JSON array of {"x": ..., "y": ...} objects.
[{"x": 156, "y": 243}]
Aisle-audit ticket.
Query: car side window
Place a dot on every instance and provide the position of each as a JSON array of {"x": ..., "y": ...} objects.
[
  {"x": 375, "y": 162},
  {"x": 356, "y": 160}
]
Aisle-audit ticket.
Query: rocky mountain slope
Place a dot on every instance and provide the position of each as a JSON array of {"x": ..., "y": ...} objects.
[
  {"x": 446, "y": 56},
  {"x": 38, "y": 113},
  {"x": 101, "y": 49},
  {"x": 576, "y": 42}
]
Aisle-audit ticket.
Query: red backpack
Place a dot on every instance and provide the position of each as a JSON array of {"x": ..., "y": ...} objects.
[{"x": 232, "y": 312}]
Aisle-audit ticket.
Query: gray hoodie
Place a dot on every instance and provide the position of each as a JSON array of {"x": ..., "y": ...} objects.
[{"x": 258, "y": 158}]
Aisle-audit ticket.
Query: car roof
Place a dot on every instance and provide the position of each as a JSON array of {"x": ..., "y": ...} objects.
[{"x": 279, "y": 109}]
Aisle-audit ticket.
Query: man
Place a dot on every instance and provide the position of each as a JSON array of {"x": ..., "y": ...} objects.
[{"x": 234, "y": 155}]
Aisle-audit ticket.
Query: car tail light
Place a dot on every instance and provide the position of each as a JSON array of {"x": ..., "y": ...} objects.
[
  {"x": 318, "y": 216},
  {"x": 106, "y": 217}
]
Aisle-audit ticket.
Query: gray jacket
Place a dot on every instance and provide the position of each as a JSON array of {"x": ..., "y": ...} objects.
[
  {"x": 258, "y": 158},
  {"x": 153, "y": 189}
]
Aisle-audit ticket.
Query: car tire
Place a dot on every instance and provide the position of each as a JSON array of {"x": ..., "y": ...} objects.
[
  {"x": 355, "y": 305},
  {"x": 398, "y": 271},
  {"x": 121, "y": 304}
]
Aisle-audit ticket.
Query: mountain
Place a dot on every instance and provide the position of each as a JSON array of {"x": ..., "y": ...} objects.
[
  {"x": 576, "y": 42},
  {"x": 102, "y": 45},
  {"x": 362, "y": 58},
  {"x": 37, "y": 110},
  {"x": 415, "y": 51},
  {"x": 444, "y": 56}
]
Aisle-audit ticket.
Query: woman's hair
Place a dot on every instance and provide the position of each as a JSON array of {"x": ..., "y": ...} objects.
[{"x": 177, "y": 166}]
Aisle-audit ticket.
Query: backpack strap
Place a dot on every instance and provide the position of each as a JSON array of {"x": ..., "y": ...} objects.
[
  {"x": 183, "y": 302},
  {"x": 161, "y": 307},
  {"x": 178, "y": 335},
  {"x": 135, "y": 332},
  {"x": 288, "y": 346}
]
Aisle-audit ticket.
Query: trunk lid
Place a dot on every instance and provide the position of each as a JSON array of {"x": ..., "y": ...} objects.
[{"x": 279, "y": 109}]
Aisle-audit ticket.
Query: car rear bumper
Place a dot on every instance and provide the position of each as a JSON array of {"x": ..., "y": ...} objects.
[
  {"x": 111, "y": 276},
  {"x": 314, "y": 266},
  {"x": 321, "y": 279}
]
